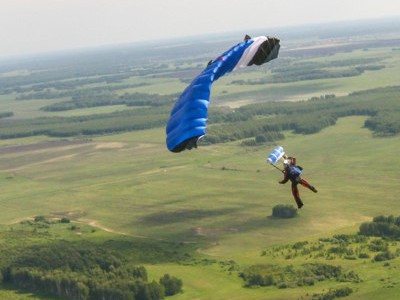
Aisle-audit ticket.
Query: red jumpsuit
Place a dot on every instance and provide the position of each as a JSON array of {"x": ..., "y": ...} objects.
[{"x": 291, "y": 174}]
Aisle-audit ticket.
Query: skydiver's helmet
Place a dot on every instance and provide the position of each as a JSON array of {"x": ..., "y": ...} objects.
[{"x": 289, "y": 161}]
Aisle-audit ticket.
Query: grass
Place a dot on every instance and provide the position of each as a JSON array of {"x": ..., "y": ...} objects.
[
  {"x": 7, "y": 293},
  {"x": 226, "y": 190},
  {"x": 217, "y": 199}
]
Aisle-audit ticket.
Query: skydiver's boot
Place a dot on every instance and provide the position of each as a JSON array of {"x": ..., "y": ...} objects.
[
  {"x": 296, "y": 195},
  {"x": 299, "y": 203},
  {"x": 313, "y": 189}
]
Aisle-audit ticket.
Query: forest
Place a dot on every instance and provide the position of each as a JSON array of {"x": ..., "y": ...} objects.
[{"x": 75, "y": 270}]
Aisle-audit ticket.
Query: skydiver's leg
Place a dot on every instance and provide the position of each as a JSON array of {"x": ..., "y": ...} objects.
[
  {"x": 296, "y": 195},
  {"x": 307, "y": 185}
]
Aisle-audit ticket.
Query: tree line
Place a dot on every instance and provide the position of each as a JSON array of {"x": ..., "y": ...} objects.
[
  {"x": 128, "y": 99},
  {"x": 307, "y": 117},
  {"x": 263, "y": 119},
  {"x": 131, "y": 285},
  {"x": 71, "y": 92},
  {"x": 107, "y": 123},
  {"x": 291, "y": 276},
  {"x": 290, "y": 70},
  {"x": 382, "y": 226}
]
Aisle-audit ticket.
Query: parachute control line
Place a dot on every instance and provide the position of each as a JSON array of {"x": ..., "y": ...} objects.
[{"x": 187, "y": 122}]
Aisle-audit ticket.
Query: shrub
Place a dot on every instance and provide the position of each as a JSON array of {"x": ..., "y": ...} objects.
[
  {"x": 139, "y": 273},
  {"x": 378, "y": 245},
  {"x": 260, "y": 139},
  {"x": 284, "y": 211},
  {"x": 259, "y": 280},
  {"x": 350, "y": 257},
  {"x": 172, "y": 285},
  {"x": 306, "y": 281},
  {"x": 333, "y": 293},
  {"x": 386, "y": 255},
  {"x": 40, "y": 219},
  {"x": 363, "y": 255},
  {"x": 74, "y": 227},
  {"x": 299, "y": 245}
]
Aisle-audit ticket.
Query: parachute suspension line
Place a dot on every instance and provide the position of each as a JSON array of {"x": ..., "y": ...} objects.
[
  {"x": 269, "y": 46},
  {"x": 277, "y": 168},
  {"x": 267, "y": 51}
]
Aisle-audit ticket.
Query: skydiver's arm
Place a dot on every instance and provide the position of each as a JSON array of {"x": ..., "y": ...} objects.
[{"x": 285, "y": 178}]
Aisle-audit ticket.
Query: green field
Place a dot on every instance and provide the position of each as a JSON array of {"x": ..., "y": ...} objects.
[
  {"x": 226, "y": 211},
  {"x": 214, "y": 204}
]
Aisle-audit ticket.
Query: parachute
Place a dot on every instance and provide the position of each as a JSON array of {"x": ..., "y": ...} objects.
[
  {"x": 187, "y": 122},
  {"x": 275, "y": 155}
]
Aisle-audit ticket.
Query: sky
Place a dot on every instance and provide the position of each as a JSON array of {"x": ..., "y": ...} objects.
[{"x": 36, "y": 26}]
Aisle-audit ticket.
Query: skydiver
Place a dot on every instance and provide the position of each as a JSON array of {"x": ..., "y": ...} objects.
[{"x": 292, "y": 172}]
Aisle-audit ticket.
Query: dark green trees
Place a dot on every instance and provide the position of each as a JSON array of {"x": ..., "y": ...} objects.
[{"x": 172, "y": 285}]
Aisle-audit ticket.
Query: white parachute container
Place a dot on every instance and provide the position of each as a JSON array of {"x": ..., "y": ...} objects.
[{"x": 275, "y": 155}]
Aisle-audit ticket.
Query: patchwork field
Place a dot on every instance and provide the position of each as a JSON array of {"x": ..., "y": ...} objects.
[{"x": 205, "y": 216}]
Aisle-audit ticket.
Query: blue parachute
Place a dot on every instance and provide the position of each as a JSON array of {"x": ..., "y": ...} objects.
[
  {"x": 275, "y": 155},
  {"x": 189, "y": 116}
]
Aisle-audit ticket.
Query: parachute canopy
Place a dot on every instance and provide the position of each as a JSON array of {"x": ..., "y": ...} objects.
[
  {"x": 275, "y": 155},
  {"x": 188, "y": 118}
]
